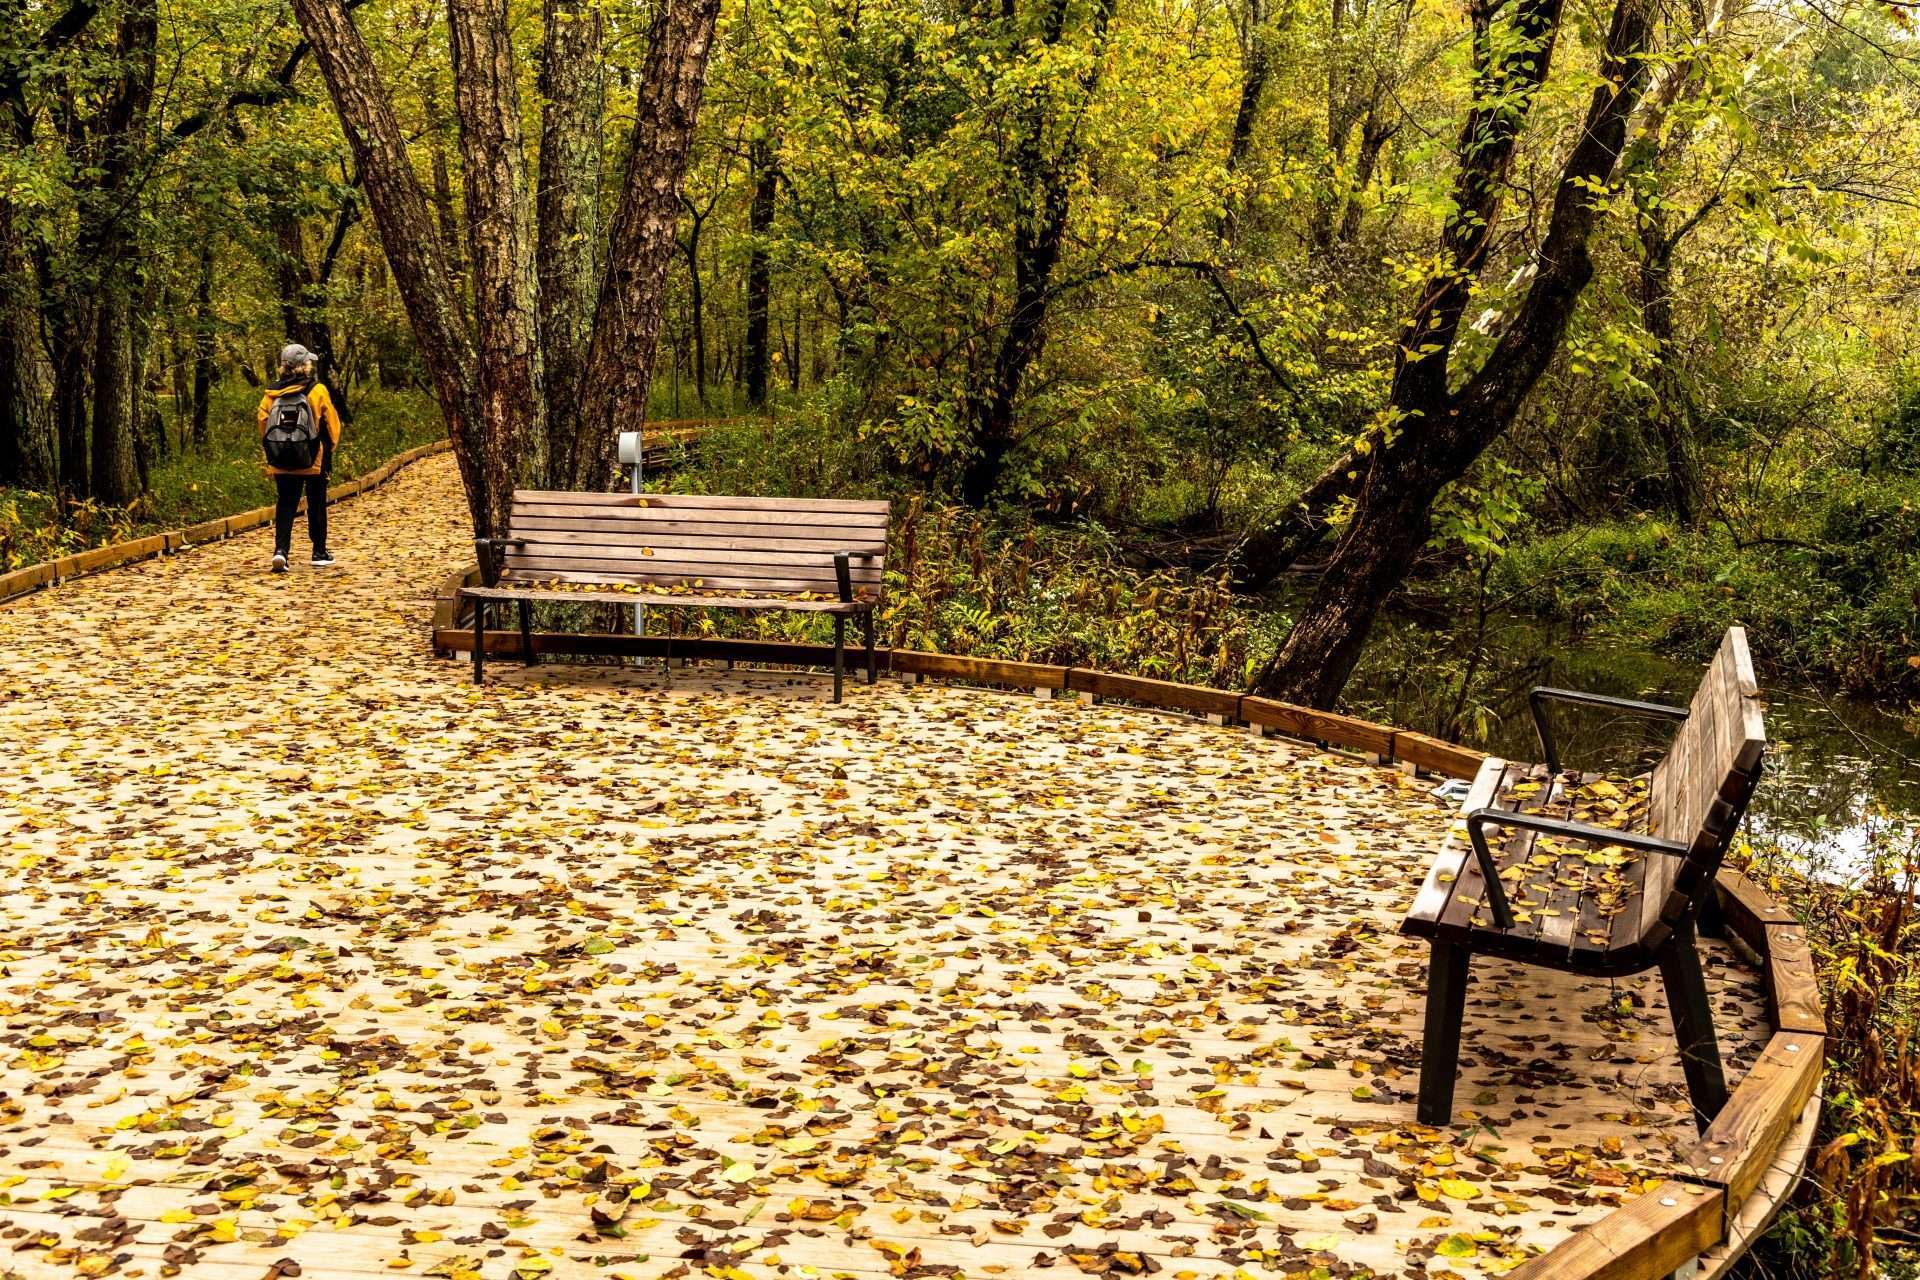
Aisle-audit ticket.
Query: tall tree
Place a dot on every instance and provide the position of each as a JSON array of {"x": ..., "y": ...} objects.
[
  {"x": 1047, "y": 156},
  {"x": 493, "y": 161},
  {"x": 1437, "y": 430},
  {"x": 641, "y": 241},
  {"x": 572, "y": 110},
  {"x": 109, "y": 245},
  {"x": 1662, "y": 137},
  {"x": 758, "y": 356},
  {"x": 414, "y": 251},
  {"x": 30, "y": 438},
  {"x": 489, "y": 376},
  {"x": 203, "y": 342}
]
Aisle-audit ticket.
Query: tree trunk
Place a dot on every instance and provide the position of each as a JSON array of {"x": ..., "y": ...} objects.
[
  {"x": 759, "y": 356},
  {"x": 180, "y": 377},
  {"x": 414, "y": 251},
  {"x": 696, "y": 305},
  {"x": 1041, "y": 204},
  {"x": 115, "y": 480},
  {"x": 1440, "y": 431},
  {"x": 1671, "y": 414},
  {"x": 486, "y": 97},
  {"x": 75, "y": 329},
  {"x": 436, "y": 121},
  {"x": 573, "y": 98},
  {"x": 149, "y": 443},
  {"x": 29, "y": 447},
  {"x": 1257, "y": 65},
  {"x": 626, "y": 326},
  {"x": 203, "y": 343}
]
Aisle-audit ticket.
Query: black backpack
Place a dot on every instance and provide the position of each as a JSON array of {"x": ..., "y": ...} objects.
[{"x": 292, "y": 440}]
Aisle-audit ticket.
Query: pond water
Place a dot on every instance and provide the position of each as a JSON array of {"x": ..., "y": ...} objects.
[{"x": 1843, "y": 777}]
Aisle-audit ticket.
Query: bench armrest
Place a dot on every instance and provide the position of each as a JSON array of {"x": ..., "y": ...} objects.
[
  {"x": 843, "y": 572},
  {"x": 1539, "y": 697},
  {"x": 1480, "y": 819},
  {"x": 487, "y": 549}
]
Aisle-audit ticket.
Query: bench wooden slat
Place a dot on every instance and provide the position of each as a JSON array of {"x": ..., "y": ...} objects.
[
  {"x": 653, "y": 556},
  {"x": 1508, "y": 846},
  {"x": 1457, "y": 852},
  {"x": 723, "y": 518},
  {"x": 765, "y": 588},
  {"x": 808, "y": 550},
  {"x": 1612, "y": 894},
  {"x": 717, "y": 501},
  {"x": 524, "y": 565},
  {"x": 666, "y": 600},
  {"x": 841, "y": 538}
]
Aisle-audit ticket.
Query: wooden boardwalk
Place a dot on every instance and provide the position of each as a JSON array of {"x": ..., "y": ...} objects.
[{"x": 319, "y": 961}]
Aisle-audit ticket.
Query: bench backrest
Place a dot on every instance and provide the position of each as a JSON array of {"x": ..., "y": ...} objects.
[
  {"x": 726, "y": 545},
  {"x": 1699, "y": 792}
]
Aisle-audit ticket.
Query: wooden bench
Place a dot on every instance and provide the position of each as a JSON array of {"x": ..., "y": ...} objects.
[
  {"x": 693, "y": 550},
  {"x": 1592, "y": 875}
]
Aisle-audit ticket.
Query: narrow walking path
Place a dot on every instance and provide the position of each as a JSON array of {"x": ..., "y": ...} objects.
[{"x": 318, "y": 960}]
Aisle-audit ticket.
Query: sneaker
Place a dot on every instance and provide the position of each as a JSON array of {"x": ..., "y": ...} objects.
[
  {"x": 279, "y": 562},
  {"x": 322, "y": 559}
]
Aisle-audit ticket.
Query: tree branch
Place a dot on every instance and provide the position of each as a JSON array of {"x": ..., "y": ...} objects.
[{"x": 1214, "y": 277}]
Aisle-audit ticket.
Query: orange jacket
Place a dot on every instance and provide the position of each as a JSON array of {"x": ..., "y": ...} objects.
[{"x": 324, "y": 414}]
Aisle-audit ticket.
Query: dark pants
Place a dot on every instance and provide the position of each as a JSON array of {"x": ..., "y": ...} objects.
[{"x": 292, "y": 489}]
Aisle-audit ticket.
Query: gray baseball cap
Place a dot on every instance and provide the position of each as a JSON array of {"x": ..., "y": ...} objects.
[{"x": 293, "y": 355}]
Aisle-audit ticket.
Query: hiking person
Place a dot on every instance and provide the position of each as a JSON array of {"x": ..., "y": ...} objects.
[{"x": 299, "y": 430}]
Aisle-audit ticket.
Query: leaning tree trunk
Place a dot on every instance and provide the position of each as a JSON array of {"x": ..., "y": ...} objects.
[
  {"x": 1271, "y": 551},
  {"x": 415, "y": 252},
  {"x": 641, "y": 244},
  {"x": 573, "y": 103},
  {"x": 1444, "y": 431}
]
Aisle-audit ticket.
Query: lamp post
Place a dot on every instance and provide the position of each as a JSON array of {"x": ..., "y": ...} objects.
[{"x": 631, "y": 456}]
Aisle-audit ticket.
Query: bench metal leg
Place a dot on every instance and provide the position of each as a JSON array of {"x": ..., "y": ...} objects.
[
  {"x": 839, "y": 652},
  {"x": 1440, "y": 1054},
  {"x": 526, "y": 631},
  {"x": 873, "y": 671},
  {"x": 1693, "y": 1024},
  {"x": 479, "y": 640}
]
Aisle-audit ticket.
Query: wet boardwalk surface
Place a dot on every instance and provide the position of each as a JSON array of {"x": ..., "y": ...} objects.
[{"x": 317, "y": 960}]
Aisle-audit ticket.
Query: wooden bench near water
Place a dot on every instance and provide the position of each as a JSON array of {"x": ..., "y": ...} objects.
[{"x": 1600, "y": 876}]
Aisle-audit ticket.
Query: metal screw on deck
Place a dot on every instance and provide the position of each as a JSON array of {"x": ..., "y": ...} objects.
[{"x": 630, "y": 456}]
